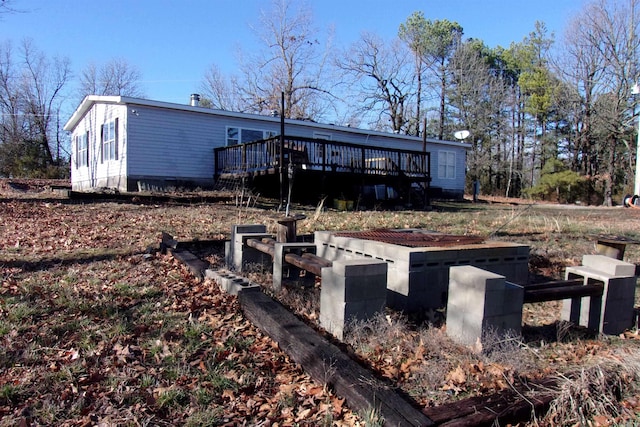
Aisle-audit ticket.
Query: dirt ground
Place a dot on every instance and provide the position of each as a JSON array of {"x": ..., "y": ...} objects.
[{"x": 98, "y": 328}]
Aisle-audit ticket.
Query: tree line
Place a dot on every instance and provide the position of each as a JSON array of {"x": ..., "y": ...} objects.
[{"x": 547, "y": 117}]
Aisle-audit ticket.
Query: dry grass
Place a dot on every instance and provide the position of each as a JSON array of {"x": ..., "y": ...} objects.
[{"x": 78, "y": 277}]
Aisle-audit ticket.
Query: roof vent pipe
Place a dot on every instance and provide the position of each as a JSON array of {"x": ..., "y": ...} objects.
[{"x": 195, "y": 100}]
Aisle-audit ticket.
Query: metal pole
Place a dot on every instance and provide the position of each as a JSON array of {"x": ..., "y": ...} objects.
[
  {"x": 281, "y": 159},
  {"x": 636, "y": 188}
]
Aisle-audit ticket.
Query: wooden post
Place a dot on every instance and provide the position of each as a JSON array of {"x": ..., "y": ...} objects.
[{"x": 287, "y": 230}]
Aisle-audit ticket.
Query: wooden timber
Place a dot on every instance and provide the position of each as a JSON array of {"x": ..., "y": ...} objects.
[
  {"x": 559, "y": 290},
  {"x": 327, "y": 364},
  {"x": 508, "y": 407}
]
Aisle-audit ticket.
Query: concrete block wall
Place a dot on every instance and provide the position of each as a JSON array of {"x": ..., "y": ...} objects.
[
  {"x": 419, "y": 277},
  {"x": 482, "y": 302},
  {"x": 351, "y": 290},
  {"x": 612, "y": 313}
]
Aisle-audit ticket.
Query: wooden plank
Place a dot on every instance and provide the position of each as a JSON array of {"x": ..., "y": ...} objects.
[
  {"x": 562, "y": 292},
  {"x": 327, "y": 364},
  {"x": 553, "y": 284},
  {"x": 512, "y": 406},
  {"x": 316, "y": 259},
  {"x": 195, "y": 265},
  {"x": 265, "y": 248}
]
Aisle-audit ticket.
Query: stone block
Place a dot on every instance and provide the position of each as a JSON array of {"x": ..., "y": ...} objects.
[
  {"x": 230, "y": 283},
  {"x": 481, "y": 302},
  {"x": 611, "y": 266},
  {"x": 612, "y": 313},
  {"x": 351, "y": 291}
]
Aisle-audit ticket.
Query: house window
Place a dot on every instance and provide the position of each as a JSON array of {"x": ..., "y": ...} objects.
[
  {"x": 237, "y": 135},
  {"x": 320, "y": 135},
  {"x": 446, "y": 164},
  {"x": 109, "y": 141},
  {"x": 82, "y": 150},
  {"x": 249, "y": 135},
  {"x": 233, "y": 136}
]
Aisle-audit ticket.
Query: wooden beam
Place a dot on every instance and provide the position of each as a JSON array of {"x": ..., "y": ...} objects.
[
  {"x": 553, "y": 284},
  {"x": 562, "y": 292},
  {"x": 512, "y": 406},
  {"x": 327, "y": 364},
  {"x": 195, "y": 265}
]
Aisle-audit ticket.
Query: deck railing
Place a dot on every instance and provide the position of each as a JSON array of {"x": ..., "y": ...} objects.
[{"x": 321, "y": 155}]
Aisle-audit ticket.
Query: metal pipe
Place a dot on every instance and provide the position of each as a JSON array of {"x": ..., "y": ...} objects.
[{"x": 636, "y": 188}]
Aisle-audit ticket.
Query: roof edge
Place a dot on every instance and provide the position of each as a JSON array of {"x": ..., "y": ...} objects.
[{"x": 90, "y": 100}]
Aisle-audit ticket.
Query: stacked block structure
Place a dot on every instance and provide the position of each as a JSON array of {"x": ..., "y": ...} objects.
[
  {"x": 352, "y": 290},
  {"x": 241, "y": 257},
  {"x": 612, "y": 313},
  {"x": 280, "y": 267},
  {"x": 418, "y": 277},
  {"x": 482, "y": 302}
]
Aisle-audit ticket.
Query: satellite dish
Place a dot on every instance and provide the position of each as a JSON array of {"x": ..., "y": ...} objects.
[{"x": 461, "y": 134}]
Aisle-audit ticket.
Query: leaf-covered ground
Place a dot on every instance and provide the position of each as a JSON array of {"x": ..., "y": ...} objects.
[{"x": 97, "y": 328}]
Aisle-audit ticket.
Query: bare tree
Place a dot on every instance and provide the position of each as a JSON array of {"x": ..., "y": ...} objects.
[
  {"x": 6, "y": 7},
  {"x": 414, "y": 32},
  {"x": 381, "y": 79},
  {"x": 30, "y": 99},
  {"x": 116, "y": 77},
  {"x": 292, "y": 61},
  {"x": 220, "y": 91}
]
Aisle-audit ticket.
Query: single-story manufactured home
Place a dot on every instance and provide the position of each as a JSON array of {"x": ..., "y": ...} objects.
[{"x": 125, "y": 143}]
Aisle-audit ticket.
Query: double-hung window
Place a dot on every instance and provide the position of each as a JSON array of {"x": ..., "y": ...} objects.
[
  {"x": 82, "y": 150},
  {"x": 446, "y": 164},
  {"x": 109, "y": 141}
]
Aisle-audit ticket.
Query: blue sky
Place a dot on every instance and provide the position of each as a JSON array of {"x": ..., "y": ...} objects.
[{"x": 174, "y": 42}]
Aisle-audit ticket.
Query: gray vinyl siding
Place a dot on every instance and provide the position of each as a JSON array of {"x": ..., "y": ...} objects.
[
  {"x": 172, "y": 144},
  {"x": 167, "y": 141}
]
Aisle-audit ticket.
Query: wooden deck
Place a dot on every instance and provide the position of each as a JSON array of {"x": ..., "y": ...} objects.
[{"x": 327, "y": 164}]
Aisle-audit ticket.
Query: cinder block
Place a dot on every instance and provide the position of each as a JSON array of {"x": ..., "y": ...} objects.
[
  {"x": 480, "y": 302},
  {"x": 353, "y": 287},
  {"x": 248, "y": 228},
  {"x": 613, "y": 312},
  {"x": 351, "y": 291},
  {"x": 280, "y": 250},
  {"x": 623, "y": 288},
  {"x": 611, "y": 266},
  {"x": 230, "y": 283},
  {"x": 360, "y": 267}
]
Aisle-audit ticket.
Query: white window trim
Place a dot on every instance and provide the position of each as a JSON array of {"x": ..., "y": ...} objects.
[
  {"x": 265, "y": 134},
  {"x": 449, "y": 166},
  {"x": 322, "y": 135},
  {"x": 82, "y": 153},
  {"x": 109, "y": 142}
]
